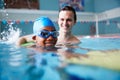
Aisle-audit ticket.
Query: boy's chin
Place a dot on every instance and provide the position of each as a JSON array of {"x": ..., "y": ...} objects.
[{"x": 49, "y": 46}]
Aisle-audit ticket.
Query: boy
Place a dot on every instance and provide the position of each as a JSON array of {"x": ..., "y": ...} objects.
[{"x": 44, "y": 33}]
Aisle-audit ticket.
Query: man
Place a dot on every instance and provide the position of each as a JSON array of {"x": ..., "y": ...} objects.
[{"x": 66, "y": 20}]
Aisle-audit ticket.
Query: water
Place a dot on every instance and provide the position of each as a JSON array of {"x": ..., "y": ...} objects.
[
  {"x": 24, "y": 64},
  {"x": 18, "y": 63},
  {"x": 100, "y": 43},
  {"x": 11, "y": 34}
]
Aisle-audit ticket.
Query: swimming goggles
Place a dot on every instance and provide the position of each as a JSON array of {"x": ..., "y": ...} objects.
[{"x": 46, "y": 34}]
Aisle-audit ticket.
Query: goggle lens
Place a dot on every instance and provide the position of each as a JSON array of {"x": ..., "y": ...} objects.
[{"x": 46, "y": 34}]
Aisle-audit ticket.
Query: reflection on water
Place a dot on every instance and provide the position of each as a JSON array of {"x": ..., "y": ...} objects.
[
  {"x": 17, "y": 63},
  {"x": 100, "y": 43}
]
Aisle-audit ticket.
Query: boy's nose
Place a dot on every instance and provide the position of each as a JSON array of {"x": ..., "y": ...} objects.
[{"x": 50, "y": 37}]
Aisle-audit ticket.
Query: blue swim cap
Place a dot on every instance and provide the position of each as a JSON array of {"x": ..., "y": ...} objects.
[{"x": 42, "y": 22}]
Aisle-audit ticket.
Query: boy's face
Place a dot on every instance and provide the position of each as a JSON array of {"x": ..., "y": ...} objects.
[{"x": 42, "y": 40}]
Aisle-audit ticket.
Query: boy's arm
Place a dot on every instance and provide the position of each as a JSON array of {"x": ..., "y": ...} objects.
[{"x": 24, "y": 39}]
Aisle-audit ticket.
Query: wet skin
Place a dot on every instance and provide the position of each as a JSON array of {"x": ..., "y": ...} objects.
[{"x": 46, "y": 42}]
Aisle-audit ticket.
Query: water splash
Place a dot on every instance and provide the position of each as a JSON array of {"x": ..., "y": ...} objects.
[{"x": 11, "y": 35}]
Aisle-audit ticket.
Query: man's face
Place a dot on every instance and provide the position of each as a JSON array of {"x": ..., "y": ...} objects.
[{"x": 66, "y": 21}]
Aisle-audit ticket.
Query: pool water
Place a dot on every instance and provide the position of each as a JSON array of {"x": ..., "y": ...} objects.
[
  {"x": 18, "y": 63},
  {"x": 100, "y": 43}
]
